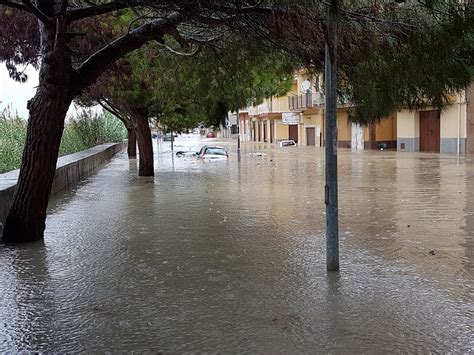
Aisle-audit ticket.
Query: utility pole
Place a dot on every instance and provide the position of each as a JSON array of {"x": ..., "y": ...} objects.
[
  {"x": 330, "y": 189},
  {"x": 238, "y": 135}
]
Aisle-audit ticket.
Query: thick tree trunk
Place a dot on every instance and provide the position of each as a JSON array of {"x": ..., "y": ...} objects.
[
  {"x": 132, "y": 143},
  {"x": 145, "y": 145},
  {"x": 26, "y": 219},
  {"x": 57, "y": 88},
  {"x": 48, "y": 108}
]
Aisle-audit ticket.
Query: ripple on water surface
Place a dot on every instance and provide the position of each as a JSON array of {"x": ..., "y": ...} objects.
[{"x": 224, "y": 257}]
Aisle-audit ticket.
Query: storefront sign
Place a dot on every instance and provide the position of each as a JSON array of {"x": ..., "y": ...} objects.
[{"x": 290, "y": 118}]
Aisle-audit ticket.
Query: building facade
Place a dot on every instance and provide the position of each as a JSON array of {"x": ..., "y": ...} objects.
[
  {"x": 434, "y": 130},
  {"x": 300, "y": 116}
]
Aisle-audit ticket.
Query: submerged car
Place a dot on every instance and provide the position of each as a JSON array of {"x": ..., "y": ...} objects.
[
  {"x": 210, "y": 135},
  {"x": 212, "y": 152},
  {"x": 287, "y": 143}
]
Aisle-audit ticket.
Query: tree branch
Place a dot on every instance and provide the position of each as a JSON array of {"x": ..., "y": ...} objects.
[
  {"x": 14, "y": 5},
  {"x": 37, "y": 12},
  {"x": 90, "y": 11},
  {"x": 106, "y": 105},
  {"x": 93, "y": 66},
  {"x": 184, "y": 54}
]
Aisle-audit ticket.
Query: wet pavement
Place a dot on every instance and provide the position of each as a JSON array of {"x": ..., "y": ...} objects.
[{"x": 228, "y": 257}]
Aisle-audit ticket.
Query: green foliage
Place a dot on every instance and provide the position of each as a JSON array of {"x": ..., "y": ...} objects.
[
  {"x": 221, "y": 77},
  {"x": 181, "y": 91},
  {"x": 424, "y": 70},
  {"x": 84, "y": 131},
  {"x": 12, "y": 140},
  {"x": 88, "y": 129}
]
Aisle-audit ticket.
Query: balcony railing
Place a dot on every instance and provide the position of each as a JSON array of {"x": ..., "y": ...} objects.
[{"x": 308, "y": 100}]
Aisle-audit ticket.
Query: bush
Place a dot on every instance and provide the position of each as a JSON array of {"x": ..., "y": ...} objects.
[{"x": 84, "y": 131}]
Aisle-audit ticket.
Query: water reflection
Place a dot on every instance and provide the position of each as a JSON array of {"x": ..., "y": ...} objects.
[
  {"x": 26, "y": 292},
  {"x": 228, "y": 257}
]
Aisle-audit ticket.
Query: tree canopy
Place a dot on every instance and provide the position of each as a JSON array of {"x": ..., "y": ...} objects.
[
  {"x": 181, "y": 91},
  {"x": 392, "y": 54}
]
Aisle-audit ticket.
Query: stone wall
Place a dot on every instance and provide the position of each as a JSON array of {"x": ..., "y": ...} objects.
[{"x": 70, "y": 169}]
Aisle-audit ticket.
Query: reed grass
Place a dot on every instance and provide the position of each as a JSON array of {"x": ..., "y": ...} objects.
[{"x": 84, "y": 131}]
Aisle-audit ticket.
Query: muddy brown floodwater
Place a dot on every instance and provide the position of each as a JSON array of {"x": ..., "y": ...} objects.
[{"x": 228, "y": 257}]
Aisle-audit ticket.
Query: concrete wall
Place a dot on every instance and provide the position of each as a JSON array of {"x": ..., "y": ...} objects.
[
  {"x": 453, "y": 124},
  {"x": 301, "y": 134},
  {"x": 280, "y": 104},
  {"x": 343, "y": 129},
  {"x": 70, "y": 169},
  {"x": 408, "y": 131},
  {"x": 281, "y": 130},
  {"x": 386, "y": 129},
  {"x": 470, "y": 120},
  {"x": 311, "y": 118}
]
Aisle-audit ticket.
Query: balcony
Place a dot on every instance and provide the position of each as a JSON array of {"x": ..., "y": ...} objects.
[
  {"x": 276, "y": 105},
  {"x": 308, "y": 100}
]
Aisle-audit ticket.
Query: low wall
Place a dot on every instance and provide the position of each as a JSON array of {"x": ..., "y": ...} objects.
[{"x": 70, "y": 169}]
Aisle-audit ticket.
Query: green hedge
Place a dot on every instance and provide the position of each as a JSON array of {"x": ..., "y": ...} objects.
[{"x": 82, "y": 132}]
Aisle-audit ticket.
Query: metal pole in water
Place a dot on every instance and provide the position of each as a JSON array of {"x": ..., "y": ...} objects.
[
  {"x": 330, "y": 189},
  {"x": 238, "y": 135}
]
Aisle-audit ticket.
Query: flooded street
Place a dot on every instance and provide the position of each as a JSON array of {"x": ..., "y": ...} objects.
[{"x": 228, "y": 257}]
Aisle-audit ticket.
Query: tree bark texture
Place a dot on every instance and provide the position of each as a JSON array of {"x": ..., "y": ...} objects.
[
  {"x": 47, "y": 111},
  {"x": 132, "y": 143},
  {"x": 145, "y": 145}
]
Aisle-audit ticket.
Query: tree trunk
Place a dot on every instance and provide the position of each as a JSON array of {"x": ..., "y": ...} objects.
[
  {"x": 56, "y": 90},
  {"x": 48, "y": 108},
  {"x": 145, "y": 145},
  {"x": 26, "y": 219},
  {"x": 132, "y": 143}
]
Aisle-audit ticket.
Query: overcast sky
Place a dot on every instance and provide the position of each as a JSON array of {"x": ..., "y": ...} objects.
[{"x": 17, "y": 94}]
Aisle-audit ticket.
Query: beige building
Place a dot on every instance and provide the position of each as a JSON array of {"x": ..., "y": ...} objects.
[
  {"x": 300, "y": 116},
  {"x": 433, "y": 130}
]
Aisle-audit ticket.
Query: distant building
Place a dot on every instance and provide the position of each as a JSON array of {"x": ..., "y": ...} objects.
[{"x": 300, "y": 116}]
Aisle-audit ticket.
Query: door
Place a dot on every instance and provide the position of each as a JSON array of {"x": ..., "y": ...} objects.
[
  {"x": 310, "y": 136},
  {"x": 429, "y": 131},
  {"x": 264, "y": 131},
  {"x": 293, "y": 132}
]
